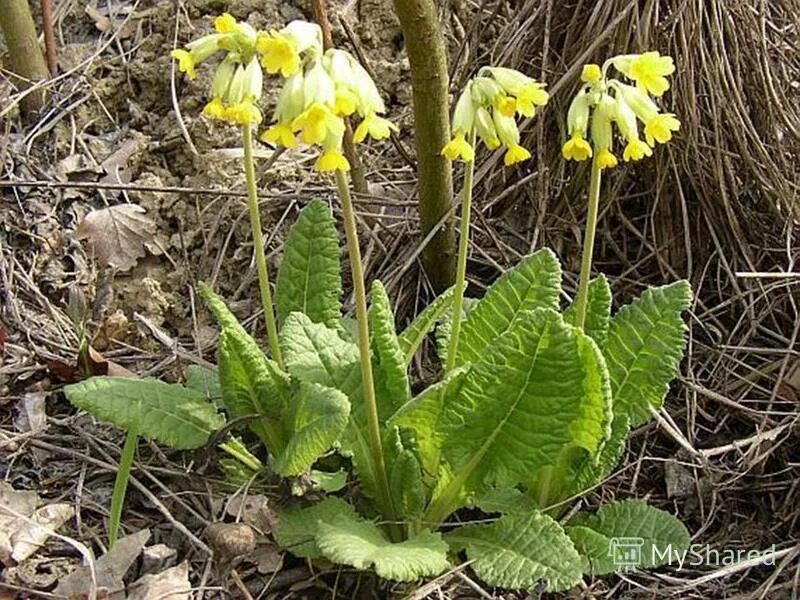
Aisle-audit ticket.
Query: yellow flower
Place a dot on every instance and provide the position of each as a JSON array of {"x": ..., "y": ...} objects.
[
  {"x": 636, "y": 150},
  {"x": 278, "y": 53},
  {"x": 316, "y": 122},
  {"x": 591, "y": 73},
  {"x": 332, "y": 160},
  {"x": 225, "y": 23},
  {"x": 186, "y": 62},
  {"x": 659, "y": 128},
  {"x": 530, "y": 97},
  {"x": 345, "y": 102},
  {"x": 516, "y": 154},
  {"x": 507, "y": 106},
  {"x": 376, "y": 127},
  {"x": 491, "y": 143},
  {"x": 243, "y": 113},
  {"x": 606, "y": 160},
  {"x": 648, "y": 70},
  {"x": 280, "y": 134},
  {"x": 459, "y": 147},
  {"x": 576, "y": 148},
  {"x": 214, "y": 109}
]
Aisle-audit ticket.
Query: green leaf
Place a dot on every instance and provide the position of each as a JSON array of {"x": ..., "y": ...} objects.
[
  {"x": 316, "y": 354},
  {"x": 328, "y": 482},
  {"x": 176, "y": 416},
  {"x": 204, "y": 380},
  {"x": 659, "y": 536},
  {"x": 645, "y": 347},
  {"x": 319, "y": 416},
  {"x": 389, "y": 366},
  {"x": 422, "y": 416},
  {"x": 359, "y": 543},
  {"x": 298, "y": 526},
  {"x": 541, "y": 389},
  {"x": 518, "y": 550},
  {"x": 533, "y": 283},
  {"x": 253, "y": 385},
  {"x": 598, "y": 311},
  {"x": 413, "y": 335},
  {"x": 594, "y": 469},
  {"x": 309, "y": 278},
  {"x": 445, "y": 328},
  {"x": 406, "y": 484},
  {"x": 504, "y": 501}
]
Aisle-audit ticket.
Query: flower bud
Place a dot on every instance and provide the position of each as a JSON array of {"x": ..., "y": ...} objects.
[
  {"x": 305, "y": 35},
  {"x": 602, "y": 132},
  {"x": 578, "y": 114},
  {"x": 222, "y": 79},
  {"x": 319, "y": 86},
  {"x": 506, "y": 128},
  {"x": 464, "y": 114}
]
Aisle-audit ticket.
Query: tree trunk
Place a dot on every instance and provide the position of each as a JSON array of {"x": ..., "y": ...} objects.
[{"x": 27, "y": 61}]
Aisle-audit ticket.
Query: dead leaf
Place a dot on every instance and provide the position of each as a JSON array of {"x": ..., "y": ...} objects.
[
  {"x": 118, "y": 235},
  {"x": 104, "y": 23},
  {"x": 34, "y": 532},
  {"x": 254, "y": 510},
  {"x": 267, "y": 557},
  {"x": 157, "y": 558},
  {"x": 109, "y": 568},
  {"x": 116, "y": 165},
  {"x": 31, "y": 416},
  {"x": 89, "y": 363},
  {"x": 172, "y": 584}
]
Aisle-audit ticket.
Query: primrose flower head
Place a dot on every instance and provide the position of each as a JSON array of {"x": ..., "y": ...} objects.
[
  {"x": 486, "y": 110},
  {"x": 325, "y": 88},
  {"x": 604, "y": 102},
  {"x": 282, "y": 51},
  {"x": 237, "y": 82}
]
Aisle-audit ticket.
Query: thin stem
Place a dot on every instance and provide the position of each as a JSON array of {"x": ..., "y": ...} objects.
[
  {"x": 121, "y": 485},
  {"x": 588, "y": 244},
  {"x": 461, "y": 265},
  {"x": 364, "y": 348},
  {"x": 258, "y": 243}
]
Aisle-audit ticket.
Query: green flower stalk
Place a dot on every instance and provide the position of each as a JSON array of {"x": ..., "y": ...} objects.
[
  {"x": 486, "y": 110},
  {"x": 608, "y": 102}
]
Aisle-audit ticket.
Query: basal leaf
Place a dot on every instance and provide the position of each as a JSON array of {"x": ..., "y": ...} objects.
[
  {"x": 533, "y": 283},
  {"x": 319, "y": 416},
  {"x": 598, "y": 311},
  {"x": 413, "y": 335},
  {"x": 504, "y": 501},
  {"x": 645, "y": 347},
  {"x": 176, "y": 416},
  {"x": 422, "y": 416},
  {"x": 253, "y": 385},
  {"x": 540, "y": 389},
  {"x": 359, "y": 543},
  {"x": 389, "y": 365},
  {"x": 405, "y": 476},
  {"x": 309, "y": 278},
  {"x": 298, "y": 526},
  {"x": 316, "y": 354},
  {"x": 445, "y": 327},
  {"x": 594, "y": 469},
  {"x": 650, "y": 537},
  {"x": 519, "y": 550},
  {"x": 206, "y": 381}
]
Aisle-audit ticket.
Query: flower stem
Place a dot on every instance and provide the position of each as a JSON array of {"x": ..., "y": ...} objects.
[
  {"x": 121, "y": 485},
  {"x": 461, "y": 265},
  {"x": 588, "y": 245},
  {"x": 258, "y": 243},
  {"x": 370, "y": 402}
]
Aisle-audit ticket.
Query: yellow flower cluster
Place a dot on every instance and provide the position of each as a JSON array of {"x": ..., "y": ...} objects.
[
  {"x": 321, "y": 89},
  {"x": 486, "y": 110},
  {"x": 610, "y": 101},
  {"x": 237, "y": 83}
]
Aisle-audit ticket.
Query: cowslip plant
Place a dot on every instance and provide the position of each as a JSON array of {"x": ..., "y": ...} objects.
[{"x": 533, "y": 409}]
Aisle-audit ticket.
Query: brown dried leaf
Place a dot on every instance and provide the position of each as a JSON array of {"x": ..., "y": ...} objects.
[
  {"x": 34, "y": 532},
  {"x": 171, "y": 584},
  {"x": 31, "y": 415},
  {"x": 118, "y": 236}
]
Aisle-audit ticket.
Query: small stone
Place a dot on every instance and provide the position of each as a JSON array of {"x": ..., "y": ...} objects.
[{"x": 229, "y": 541}]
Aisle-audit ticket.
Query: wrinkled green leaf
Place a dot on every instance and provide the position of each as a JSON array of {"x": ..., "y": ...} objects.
[
  {"x": 319, "y": 416},
  {"x": 504, "y": 501},
  {"x": 413, "y": 335},
  {"x": 518, "y": 550},
  {"x": 598, "y": 311},
  {"x": 353, "y": 541},
  {"x": 206, "y": 381},
  {"x": 389, "y": 365},
  {"x": 659, "y": 537},
  {"x": 405, "y": 476},
  {"x": 540, "y": 389},
  {"x": 533, "y": 283},
  {"x": 298, "y": 526},
  {"x": 445, "y": 328},
  {"x": 594, "y": 469},
  {"x": 309, "y": 278},
  {"x": 176, "y": 416},
  {"x": 645, "y": 347}
]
